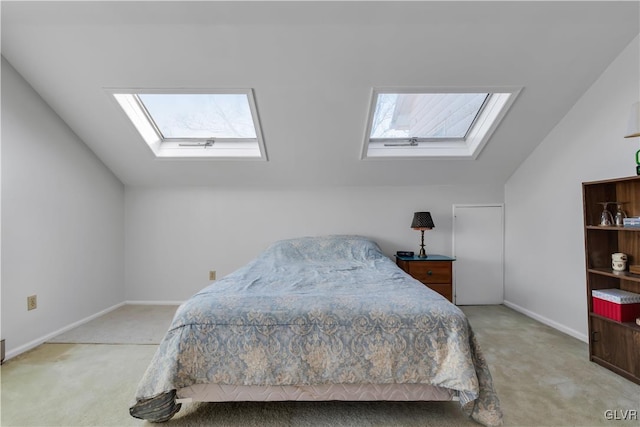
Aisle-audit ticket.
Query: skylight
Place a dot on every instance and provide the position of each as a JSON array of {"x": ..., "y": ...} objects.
[
  {"x": 433, "y": 123},
  {"x": 219, "y": 124}
]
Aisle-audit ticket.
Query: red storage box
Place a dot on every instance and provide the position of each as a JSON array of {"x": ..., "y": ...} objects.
[{"x": 616, "y": 304}]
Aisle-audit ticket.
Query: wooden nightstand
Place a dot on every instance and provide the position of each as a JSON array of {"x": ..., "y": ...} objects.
[{"x": 435, "y": 271}]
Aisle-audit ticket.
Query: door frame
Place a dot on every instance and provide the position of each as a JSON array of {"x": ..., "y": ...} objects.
[{"x": 453, "y": 238}]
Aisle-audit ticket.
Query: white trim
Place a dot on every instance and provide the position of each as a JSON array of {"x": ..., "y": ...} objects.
[
  {"x": 551, "y": 323},
  {"x": 221, "y": 150},
  {"x": 500, "y": 101},
  {"x": 453, "y": 238},
  {"x": 38, "y": 341},
  {"x": 133, "y": 302}
]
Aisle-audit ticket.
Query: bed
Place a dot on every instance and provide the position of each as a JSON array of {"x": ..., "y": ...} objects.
[{"x": 318, "y": 318}]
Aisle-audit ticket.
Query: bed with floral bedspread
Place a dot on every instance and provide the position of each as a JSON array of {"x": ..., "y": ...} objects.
[{"x": 316, "y": 311}]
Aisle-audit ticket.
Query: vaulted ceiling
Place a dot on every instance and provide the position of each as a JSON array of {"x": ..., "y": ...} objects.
[{"x": 312, "y": 66}]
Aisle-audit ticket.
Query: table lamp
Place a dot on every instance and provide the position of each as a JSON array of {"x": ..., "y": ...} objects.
[{"x": 422, "y": 221}]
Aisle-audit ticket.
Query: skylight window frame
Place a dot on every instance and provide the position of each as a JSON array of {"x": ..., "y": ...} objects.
[
  {"x": 211, "y": 148},
  {"x": 492, "y": 111},
  {"x": 426, "y": 139}
]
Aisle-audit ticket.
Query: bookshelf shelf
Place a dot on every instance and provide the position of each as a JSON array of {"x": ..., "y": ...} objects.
[
  {"x": 625, "y": 275},
  {"x": 630, "y": 325},
  {"x": 612, "y": 228}
]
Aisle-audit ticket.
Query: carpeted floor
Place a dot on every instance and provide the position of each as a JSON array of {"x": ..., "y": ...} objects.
[
  {"x": 543, "y": 378},
  {"x": 129, "y": 324}
]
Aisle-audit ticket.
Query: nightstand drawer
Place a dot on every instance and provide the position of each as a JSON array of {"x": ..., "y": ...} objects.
[
  {"x": 435, "y": 272},
  {"x": 443, "y": 289},
  {"x": 431, "y": 271}
]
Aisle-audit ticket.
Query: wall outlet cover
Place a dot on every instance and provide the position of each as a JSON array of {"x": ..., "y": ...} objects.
[{"x": 32, "y": 302}]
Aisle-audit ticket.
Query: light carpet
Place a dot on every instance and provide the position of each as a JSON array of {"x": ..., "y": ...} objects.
[
  {"x": 128, "y": 324},
  {"x": 543, "y": 378}
]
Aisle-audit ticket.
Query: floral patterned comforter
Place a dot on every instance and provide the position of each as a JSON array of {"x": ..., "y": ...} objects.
[{"x": 318, "y": 310}]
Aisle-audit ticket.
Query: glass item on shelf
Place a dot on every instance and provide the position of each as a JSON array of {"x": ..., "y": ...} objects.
[
  {"x": 606, "y": 219},
  {"x": 620, "y": 215}
]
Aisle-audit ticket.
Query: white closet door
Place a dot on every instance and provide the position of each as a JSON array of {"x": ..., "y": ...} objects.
[{"x": 478, "y": 246}]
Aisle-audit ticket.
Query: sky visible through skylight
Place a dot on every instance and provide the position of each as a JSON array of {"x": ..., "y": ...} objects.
[
  {"x": 425, "y": 115},
  {"x": 200, "y": 115}
]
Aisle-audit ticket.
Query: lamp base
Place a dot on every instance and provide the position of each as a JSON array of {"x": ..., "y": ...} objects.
[{"x": 422, "y": 253}]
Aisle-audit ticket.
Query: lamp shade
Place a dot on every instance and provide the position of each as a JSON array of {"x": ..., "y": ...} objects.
[
  {"x": 633, "y": 127},
  {"x": 422, "y": 220}
]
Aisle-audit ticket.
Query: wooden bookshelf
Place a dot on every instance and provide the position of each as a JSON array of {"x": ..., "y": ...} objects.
[{"x": 614, "y": 345}]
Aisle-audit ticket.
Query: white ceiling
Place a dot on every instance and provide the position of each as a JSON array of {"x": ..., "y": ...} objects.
[{"x": 312, "y": 66}]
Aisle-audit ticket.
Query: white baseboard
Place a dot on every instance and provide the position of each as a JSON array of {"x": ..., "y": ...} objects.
[
  {"x": 131, "y": 302},
  {"x": 552, "y": 323},
  {"x": 33, "y": 344}
]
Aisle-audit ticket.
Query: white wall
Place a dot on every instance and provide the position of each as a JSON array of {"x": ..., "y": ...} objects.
[
  {"x": 544, "y": 273},
  {"x": 62, "y": 221},
  {"x": 63, "y": 216},
  {"x": 174, "y": 236}
]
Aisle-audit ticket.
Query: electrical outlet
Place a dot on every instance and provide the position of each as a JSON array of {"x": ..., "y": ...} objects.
[
  {"x": 212, "y": 275},
  {"x": 32, "y": 302}
]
